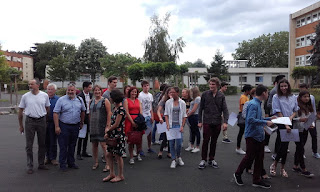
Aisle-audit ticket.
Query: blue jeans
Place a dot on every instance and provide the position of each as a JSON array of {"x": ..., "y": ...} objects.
[
  {"x": 51, "y": 142},
  {"x": 175, "y": 145},
  {"x": 148, "y": 122},
  {"x": 67, "y": 143}
]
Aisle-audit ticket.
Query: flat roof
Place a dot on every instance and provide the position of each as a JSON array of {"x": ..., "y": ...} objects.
[{"x": 305, "y": 10}]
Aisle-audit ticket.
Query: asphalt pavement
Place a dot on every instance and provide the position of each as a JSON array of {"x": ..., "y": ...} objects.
[{"x": 149, "y": 175}]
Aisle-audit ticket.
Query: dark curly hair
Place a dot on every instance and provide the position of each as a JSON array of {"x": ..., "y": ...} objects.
[{"x": 117, "y": 96}]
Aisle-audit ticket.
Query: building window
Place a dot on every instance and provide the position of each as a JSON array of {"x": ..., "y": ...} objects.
[
  {"x": 308, "y": 40},
  {"x": 308, "y": 19},
  {"x": 87, "y": 77},
  {"x": 308, "y": 61},
  {"x": 259, "y": 79},
  {"x": 300, "y": 60},
  {"x": 242, "y": 79},
  {"x": 303, "y": 21},
  {"x": 300, "y": 42},
  {"x": 314, "y": 17},
  {"x": 298, "y": 23}
]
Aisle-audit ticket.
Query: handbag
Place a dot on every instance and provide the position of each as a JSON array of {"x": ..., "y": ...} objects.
[
  {"x": 141, "y": 122},
  {"x": 134, "y": 137},
  {"x": 112, "y": 142},
  {"x": 241, "y": 120}
]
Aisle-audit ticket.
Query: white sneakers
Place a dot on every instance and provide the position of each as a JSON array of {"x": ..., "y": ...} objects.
[
  {"x": 267, "y": 149},
  {"x": 192, "y": 149},
  {"x": 174, "y": 163},
  {"x": 131, "y": 161},
  {"x": 139, "y": 158},
  {"x": 195, "y": 150},
  {"x": 134, "y": 153},
  {"x": 180, "y": 162},
  {"x": 240, "y": 151},
  {"x": 189, "y": 148}
]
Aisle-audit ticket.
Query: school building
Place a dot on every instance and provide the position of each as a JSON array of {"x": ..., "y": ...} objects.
[
  {"x": 20, "y": 62},
  {"x": 301, "y": 29}
]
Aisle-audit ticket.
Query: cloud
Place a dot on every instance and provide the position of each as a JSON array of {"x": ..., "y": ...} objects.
[{"x": 123, "y": 26}]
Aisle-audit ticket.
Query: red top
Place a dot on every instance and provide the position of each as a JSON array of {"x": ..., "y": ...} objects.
[{"x": 134, "y": 108}]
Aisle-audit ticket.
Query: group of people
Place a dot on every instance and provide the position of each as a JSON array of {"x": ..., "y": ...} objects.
[
  {"x": 279, "y": 103},
  {"x": 109, "y": 116}
]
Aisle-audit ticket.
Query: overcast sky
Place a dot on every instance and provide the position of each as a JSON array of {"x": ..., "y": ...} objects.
[{"x": 123, "y": 25}]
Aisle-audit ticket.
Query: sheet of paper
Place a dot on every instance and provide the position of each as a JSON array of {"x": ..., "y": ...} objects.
[
  {"x": 173, "y": 134},
  {"x": 232, "y": 119},
  {"x": 282, "y": 120},
  {"x": 270, "y": 130},
  {"x": 83, "y": 131},
  {"x": 149, "y": 129},
  {"x": 311, "y": 119},
  {"x": 292, "y": 136},
  {"x": 161, "y": 127}
]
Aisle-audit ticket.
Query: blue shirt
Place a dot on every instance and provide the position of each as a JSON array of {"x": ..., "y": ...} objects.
[
  {"x": 285, "y": 105},
  {"x": 53, "y": 101},
  {"x": 69, "y": 110},
  {"x": 254, "y": 121}
]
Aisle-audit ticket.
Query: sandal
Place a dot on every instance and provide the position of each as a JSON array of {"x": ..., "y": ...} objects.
[
  {"x": 108, "y": 178},
  {"x": 106, "y": 169},
  {"x": 116, "y": 179},
  {"x": 283, "y": 173},
  {"x": 273, "y": 170},
  {"x": 95, "y": 166}
]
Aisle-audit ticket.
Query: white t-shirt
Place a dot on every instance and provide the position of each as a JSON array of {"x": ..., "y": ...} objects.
[
  {"x": 146, "y": 100},
  {"x": 35, "y": 105}
]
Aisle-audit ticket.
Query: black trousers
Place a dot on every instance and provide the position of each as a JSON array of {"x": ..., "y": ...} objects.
[{"x": 82, "y": 143}]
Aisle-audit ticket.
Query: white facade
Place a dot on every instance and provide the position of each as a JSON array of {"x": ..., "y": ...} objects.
[{"x": 241, "y": 75}]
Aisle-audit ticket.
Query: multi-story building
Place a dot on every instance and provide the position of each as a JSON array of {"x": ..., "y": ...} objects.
[
  {"x": 22, "y": 63},
  {"x": 302, "y": 28}
]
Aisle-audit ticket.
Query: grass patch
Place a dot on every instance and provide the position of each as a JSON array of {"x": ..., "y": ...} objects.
[
  {"x": 21, "y": 92},
  {"x": 4, "y": 100}
]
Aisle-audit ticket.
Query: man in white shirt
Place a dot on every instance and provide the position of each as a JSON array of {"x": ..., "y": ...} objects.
[
  {"x": 146, "y": 100},
  {"x": 35, "y": 105}
]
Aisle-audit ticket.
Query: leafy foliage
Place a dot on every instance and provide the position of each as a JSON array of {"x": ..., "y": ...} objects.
[
  {"x": 117, "y": 64},
  {"x": 218, "y": 67},
  {"x": 62, "y": 67},
  {"x": 42, "y": 53},
  {"x": 7, "y": 72},
  {"x": 265, "y": 50},
  {"x": 88, "y": 57},
  {"x": 315, "y": 51},
  {"x": 158, "y": 46}
]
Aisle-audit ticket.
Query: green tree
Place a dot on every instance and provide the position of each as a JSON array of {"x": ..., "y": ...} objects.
[
  {"x": 7, "y": 72},
  {"x": 199, "y": 64},
  {"x": 117, "y": 64},
  {"x": 304, "y": 71},
  {"x": 42, "y": 53},
  {"x": 88, "y": 57},
  {"x": 159, "y": 46},
  {"x": 62, "y": 67},
  {"x": 218, "y": 67},
  {"x": 315, "y": 51},
  {"x": 265, "y": 50},
  {"x": 135, "y": 72}
]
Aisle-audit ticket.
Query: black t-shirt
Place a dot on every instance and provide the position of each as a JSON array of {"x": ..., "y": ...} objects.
[
  {"x": 319, "y": 106},
  {"x": 188, "y": 102}
]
